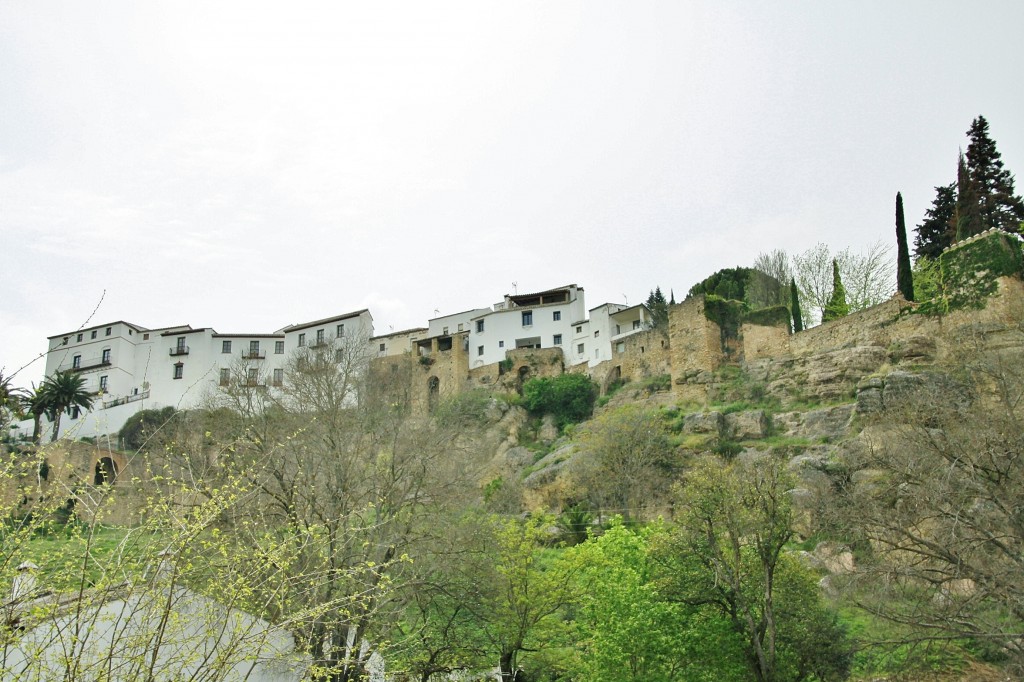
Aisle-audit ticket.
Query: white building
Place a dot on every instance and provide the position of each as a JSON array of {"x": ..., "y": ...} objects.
[
  {"x": 538, "y": 320},
  {"x": 135, "y": 368},
  {"x": 132, "y": 368}
]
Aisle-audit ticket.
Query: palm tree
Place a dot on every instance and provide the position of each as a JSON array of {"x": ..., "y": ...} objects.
[
  {"x": 36, "y": 402},
  {"x": 65, "y": 391},
  {"x": 10, "y": 401}
]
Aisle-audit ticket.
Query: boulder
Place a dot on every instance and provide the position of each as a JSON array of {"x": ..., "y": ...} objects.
[
  {"x": 747, "y": 425},
  {"x": 828, "y": 423},
  {"x": 704, "y": 422}
]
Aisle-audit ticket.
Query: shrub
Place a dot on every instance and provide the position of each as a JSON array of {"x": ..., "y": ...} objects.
[
  {"x": 569, "y": 398},
  {"x": 142, "y": 425}
]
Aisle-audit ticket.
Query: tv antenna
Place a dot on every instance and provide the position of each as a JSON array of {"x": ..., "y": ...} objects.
[{"x": 515, "y": 288}]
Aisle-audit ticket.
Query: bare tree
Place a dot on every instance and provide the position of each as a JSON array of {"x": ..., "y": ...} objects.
[
  {"x": 869, "y": 278},
  {"x": 938, "y": 509}
]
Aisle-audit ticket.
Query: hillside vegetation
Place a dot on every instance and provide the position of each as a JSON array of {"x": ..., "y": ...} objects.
[{"x": 848, "y": 512}]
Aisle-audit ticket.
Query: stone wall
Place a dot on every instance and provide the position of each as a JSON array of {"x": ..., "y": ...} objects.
[
  {"x": 760, "y": 341},
  {"x": 696, "y": 349},
  {"x": 643, "y": 355}
]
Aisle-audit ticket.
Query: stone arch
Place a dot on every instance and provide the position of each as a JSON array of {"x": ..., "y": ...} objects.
[{"x": 105, "y": 471}]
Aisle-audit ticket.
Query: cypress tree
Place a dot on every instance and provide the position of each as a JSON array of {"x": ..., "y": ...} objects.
[
  {"x": 936, "y": 232},
  {"x": 968, "y": 216},
  {"x": 904, "y": 275},
  {"x": 794, "y": 304},
  {"x": 997, "y": 204},
  {"x": 837, "y": 306}
]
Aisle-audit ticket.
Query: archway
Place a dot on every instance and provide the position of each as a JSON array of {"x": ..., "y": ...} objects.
[{"x": 106, "y": 471}]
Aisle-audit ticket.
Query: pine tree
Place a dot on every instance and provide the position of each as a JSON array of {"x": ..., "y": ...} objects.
[
  {"x": 998, "y": 206},
  {"x": 968, "y": 215},
  {"x": 938, "y": 229},
  {"x": 794, "y": 303},
  {"x": 672, "y": 297},
  {"x": 904, "y": 275},
  {"x": 837, "y": 306},
  {"x": 658, "y": 306}
]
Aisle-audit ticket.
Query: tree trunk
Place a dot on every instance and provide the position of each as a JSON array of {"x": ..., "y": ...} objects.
[
  {"x": 56, "y": 427},
  {"x": 506, "y": 666}
]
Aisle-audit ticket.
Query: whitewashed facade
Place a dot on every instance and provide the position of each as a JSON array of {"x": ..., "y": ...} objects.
[{"x": 132, "y": 368}]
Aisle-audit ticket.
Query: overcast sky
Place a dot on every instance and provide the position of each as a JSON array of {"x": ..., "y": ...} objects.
[{"x": 250, "y": 165}]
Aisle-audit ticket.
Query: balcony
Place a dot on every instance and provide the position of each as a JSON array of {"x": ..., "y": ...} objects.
[
  {"x": 84, "y": 364},
  {"x": 179, "y": 350},
  {"x": 254, "y": 355},
  {"x": 125, "y": 400}
]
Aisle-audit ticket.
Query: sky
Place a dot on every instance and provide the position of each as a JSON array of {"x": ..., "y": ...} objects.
[{"x": 249, "y": 165}]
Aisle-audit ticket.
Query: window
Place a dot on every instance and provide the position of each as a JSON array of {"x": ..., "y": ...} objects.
[
  {"x": 76, "y": 412},
  {"x": 557, "y": 315},
  {"x": 253, "y": 376},
  {"x": 76, "y": 362},
  {"x": 319, "y": 337},
  {"x": 181, "y": 343},
  {"x": 225, "y": 376},
  {"x": 339, "y": 355},
  {"x": 479, "y": 326},
  {"x": 636, "y": 324},
  {"x": 225, "y": 346},
  {"x": 103, "y": 383},
  {"x": 579, "y": 349},
  {"x": 460, "y": 326},
  {"x": 618, "y": 330},
  {"x": 145, "y": 337},
  {"x": 254, "y": 348},
  {"x": 93, "y": 335},
  {"x": 278, "y": 377},
  {"x": 106, "y": 356},
  {"x": 528, "y": 318},
  {"x": 557, "y": 340},
  {"x": 620, "y": 347},
  {"x": 597, "y": 333},
  {"x": 279, "y": 347},
  {"x": 501, "y": 344},
  {"x": 479, "y": 350},
  {"x": 340, "y": 331},
  {"x": 445, "y": 331},
  {"x": 108, "y": 331},
  {"x": 179, "y": 370},
  {"x": 78, "y": 338},
  {"x": 382, "y": 348},
  {"x": 579, "y": 329},
  {"x": 302, "y": 340}
]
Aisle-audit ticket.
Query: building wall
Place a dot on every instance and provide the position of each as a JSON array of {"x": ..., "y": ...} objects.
[
  {"x": 502, "y": 328},
  {"x": 641, "y": 355}
]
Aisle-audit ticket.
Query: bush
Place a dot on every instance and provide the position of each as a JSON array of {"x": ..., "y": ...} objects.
[
  {"x": 464, "y": 409},
  {"x": 142, "y": 425},
  {"x": 569, "y": 398}
]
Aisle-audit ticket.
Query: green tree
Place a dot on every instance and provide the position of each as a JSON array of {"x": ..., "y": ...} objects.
[
  {"x": 904, "y": 274},
  {"x": 627, "y": 631},
  {"x": 968, "y": 214},
  {"x": 65, "y": 391},
  {"x": 735, "y": 521},
  {"x": 837, "y": 306},
  {"x": 568, "y": 397},
  {"x": 520, "y": 593},
  {"x": 626, "y": 461},
  {"x": 794, "y": 298},
  {"x": 936, "y": 231},
  {"x": 658, "y": 306},
  {"x": 998, "y": 205}
]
